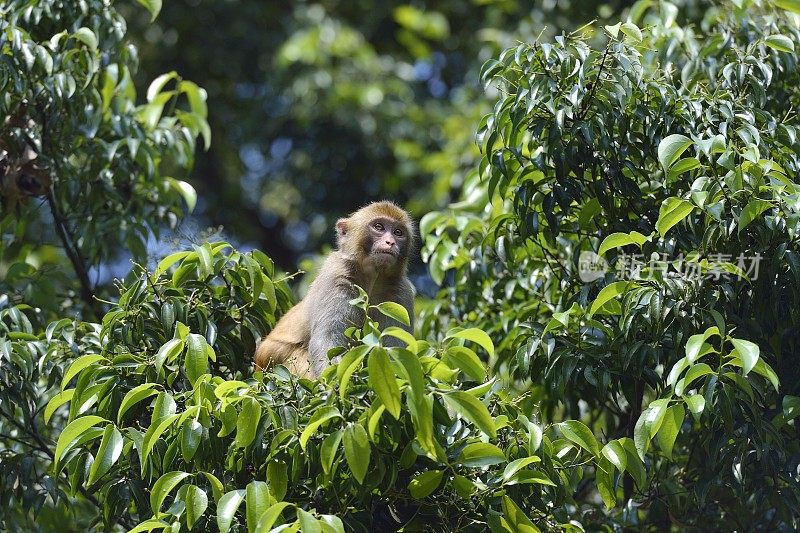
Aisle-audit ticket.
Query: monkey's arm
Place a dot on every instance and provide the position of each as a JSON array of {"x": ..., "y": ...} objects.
[
  {"x": 332, "y": 315},
  {"x": 285, "y": 345},
  {"x": 405, "y": 297}
]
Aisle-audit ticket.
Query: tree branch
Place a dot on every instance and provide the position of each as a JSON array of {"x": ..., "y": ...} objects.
[{"x": 87, "y": 291}]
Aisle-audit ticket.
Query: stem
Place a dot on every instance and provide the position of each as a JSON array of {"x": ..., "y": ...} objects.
[{"x": 87, "y": 292}]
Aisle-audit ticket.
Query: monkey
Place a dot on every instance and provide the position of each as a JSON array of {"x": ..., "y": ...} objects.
[{"x": 372, "y": 252}]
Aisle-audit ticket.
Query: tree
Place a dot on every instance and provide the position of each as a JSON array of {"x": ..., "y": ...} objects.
[
  {"x": 85, "y": 171},
  {"x": 545, "y": 390},
  {"x": 670, "y": 153}
]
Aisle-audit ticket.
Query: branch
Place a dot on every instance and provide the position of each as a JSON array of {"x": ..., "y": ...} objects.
[{"x": 87, "y": 292}]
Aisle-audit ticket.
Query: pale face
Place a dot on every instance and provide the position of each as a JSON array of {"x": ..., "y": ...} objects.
[{"x": 386, "y": 241}]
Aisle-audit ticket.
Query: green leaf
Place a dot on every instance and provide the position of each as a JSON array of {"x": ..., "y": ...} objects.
[
  {"x": 517, "y": 465},
  {"x": 196, "y": 501},
  {"x": 108, "y": 453},
  {"x": 319, "y": 417},
  {"x": 153, "y": 6},
  {"x": 87, "y": 37},
  {"x": 515, "y": 516},
  {"x": 382, "y": 380},
  {"x": 150, "y": 525},
  {"x": 403, "y": 335},
  {"x": 753, "y": 209},
  {"x": 168, "y": 352},
  {"x": 789, "y": 5},
  {"x": 197, "y": 97},
  {"x": 163, "y": 487},
  {"x": 71, "y": 434},
  {"x": 196, "y": 357},
  {"x": 677, "y": 370},
  {"x": 696, "y": 403},
  {"x": 331, "y": 523},
  {"x": 672, "y": 211},
  {"x": 57, "y": 401},
  {"x": 157, "y": 85},
  {"x": 216, "y": 485},
  {"x": 425, "y": 483},
  {"x": 258, "y": 500},
  {"x": 608, "y": 292},
  {"x": 634, "y": 466},
  {"x": 613, "y": 30},
  {"x": 748, "y": 352},
  {"x": 394, "y": 310},
  {"x": 763, "y": 369},
  {"x": 472, "y": 409},
  {"x": 350, "y": 363},
  {"x": 604, "y": 478},
  {"x": 269, "y": 517},
  {"x": 186, "y": 191},
  {"x": 694, "y": 346},
  {"x": 791, "y": 407},
  {"x": 227, "y": 387},
  {"x": 654, "y": 415},
  {"x": 464, "y": 487},
  {"x": 670, "y": 149},
  {"x": 477, "y": 336},
  {"x": 77, "y": 366},
  {"x": 480, "y": 454},
  {"x": 465, "y": 360},
  {"x": 617, "y": 240},
  {"x": 669, "y": 429},
  {"x": 134, "y": 396},
  {"x": 277, "y": 478},
  {"x": 205, "y": 259},
  {"x": 357, "y": 450},
  {"x": 631, "y": 30},
  {"x": 226, "y": 509},
  {"x": 696, "y": 371},
  {"x": 308, "y": 524},
  {"x": 154, "y": 432},
  {"x": 641, "y": 435},
  {"x": 780, "y": 43},
  {"x": 327, "y": 453},
  {"x": 683, "y": 165},
  {"x": 191, "y": 435},
  {"x": 614, "y": 452},
  {"x": 247, "y": 422},
  {"x": 577, "y": 432}
]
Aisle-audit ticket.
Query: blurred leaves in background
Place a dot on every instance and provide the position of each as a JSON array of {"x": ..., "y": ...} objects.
[{"x": 320, "y": 107}]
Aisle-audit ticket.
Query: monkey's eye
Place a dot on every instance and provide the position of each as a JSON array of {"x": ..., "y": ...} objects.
[
  {"x": 378, "y": 226},
  {"x": 398, "y": 232}
]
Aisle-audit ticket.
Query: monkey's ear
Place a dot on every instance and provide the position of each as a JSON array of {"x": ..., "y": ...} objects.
[{"x": 342, "y": 226}]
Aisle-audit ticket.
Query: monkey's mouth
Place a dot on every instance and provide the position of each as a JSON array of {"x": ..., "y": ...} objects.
[{"x": 385, "y": 252}]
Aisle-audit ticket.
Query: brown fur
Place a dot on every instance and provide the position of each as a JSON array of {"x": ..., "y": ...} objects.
[{"x": 303, "y": 336}]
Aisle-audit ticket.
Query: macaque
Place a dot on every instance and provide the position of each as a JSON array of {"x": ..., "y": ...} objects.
[{"x": 372, "y": 252}]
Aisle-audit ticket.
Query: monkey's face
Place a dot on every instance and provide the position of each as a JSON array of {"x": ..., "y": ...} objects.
[{"x": 386, "y": 241}]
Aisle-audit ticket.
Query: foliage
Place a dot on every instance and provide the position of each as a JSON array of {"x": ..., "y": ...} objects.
[
  {"x": 669, "y": 136},
  {"x": 86, "y": 169},
  {"x": 671, "y": 151},
  {"x": 162, "y": 428},
  {"x": 74, "y": 137}
]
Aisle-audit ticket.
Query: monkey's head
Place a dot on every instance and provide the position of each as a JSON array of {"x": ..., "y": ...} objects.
[{"x": 379, "y": 236}]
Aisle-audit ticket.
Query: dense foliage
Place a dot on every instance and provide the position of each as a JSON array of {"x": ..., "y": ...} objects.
[
  {"x": 612, "y": 347},
  {"x": 672, "y": 151}
]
